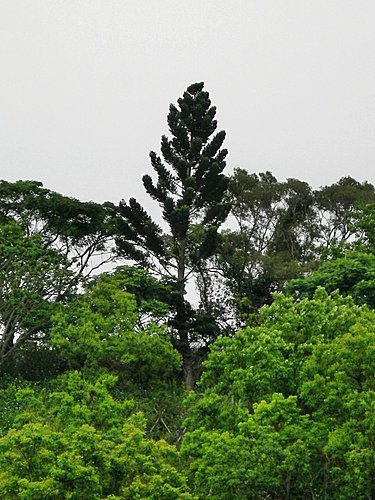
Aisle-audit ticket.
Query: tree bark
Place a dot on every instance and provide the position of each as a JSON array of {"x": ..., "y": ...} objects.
[
  {"x": 184, "y": 344},
  {"x": 188, "y": 371}
]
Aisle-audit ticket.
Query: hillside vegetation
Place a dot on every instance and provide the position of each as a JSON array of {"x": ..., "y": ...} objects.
[{"x": 114, "y": 386}]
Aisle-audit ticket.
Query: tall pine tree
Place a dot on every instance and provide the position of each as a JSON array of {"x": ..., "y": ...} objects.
[{"x": 191, "y": 190}]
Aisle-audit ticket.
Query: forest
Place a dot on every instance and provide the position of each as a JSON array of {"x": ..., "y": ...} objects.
[{"x": 221, "y": 347}]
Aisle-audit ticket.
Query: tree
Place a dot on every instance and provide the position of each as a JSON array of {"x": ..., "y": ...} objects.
[
  {"x": 103, "y": 328},
  {"x": 348, "y": 267},
  {"x": 365, "y": 222},
  {"x": 352, "y": 274},
  {"x": 268, "y": 456},
  {"x": 337, "y": 390},
  {"x": 284, "y": 230},
  {"x": 80, "y": 231},
  {"x": 337, "y": 207},
  {"x": 33, "y": 280},
  {"x": 49, "y": 245},
  {"x": 119, "y": 325},
  {"x": 191, "y": 191},
  {"x": 75, "y": 439},
  {"x": 274, "y": 239},
  {"x": 284, "y": 410}
]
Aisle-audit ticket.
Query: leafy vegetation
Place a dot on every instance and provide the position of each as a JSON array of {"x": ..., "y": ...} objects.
[{"x": 114, "y": 386}]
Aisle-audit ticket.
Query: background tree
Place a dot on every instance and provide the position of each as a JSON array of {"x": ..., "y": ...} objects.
[
  {"x": 79, "y": 231},
  {"x": 274, "y": 240},
  {"x": 365, "y": 223},
  {"x": 49, "y": 245},
  {"x": 33, "y": 281},
  {"x": 284, "y": 230},
  {"x": 337, "y": 207},
  {"x": 348, "y": 267},
  {"x": 191, "y": 191}
]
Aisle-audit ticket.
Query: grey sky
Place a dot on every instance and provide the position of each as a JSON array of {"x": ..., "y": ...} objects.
[{"x": 85, "y": 87}]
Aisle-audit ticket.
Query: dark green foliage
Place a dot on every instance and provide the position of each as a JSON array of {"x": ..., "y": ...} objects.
[
  {"x": 191, "y": 190},
  {"x": 274, "y": 240},
  {"x": 365, "y": 222},
  {"x": 190, "y": 184}
]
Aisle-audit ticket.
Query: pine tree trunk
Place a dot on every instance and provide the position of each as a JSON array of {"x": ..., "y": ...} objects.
[
  {"x": 188, "y": 372},
  {"x": 184, "y": 344},
  {"x": 187, "y": 360}
]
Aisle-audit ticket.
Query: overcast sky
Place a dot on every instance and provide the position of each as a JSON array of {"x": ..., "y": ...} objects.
[{"x": 85, "y": 87}]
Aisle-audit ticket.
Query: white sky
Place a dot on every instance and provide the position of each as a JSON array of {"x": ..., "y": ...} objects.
[{"x": 85, "y": 87}]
